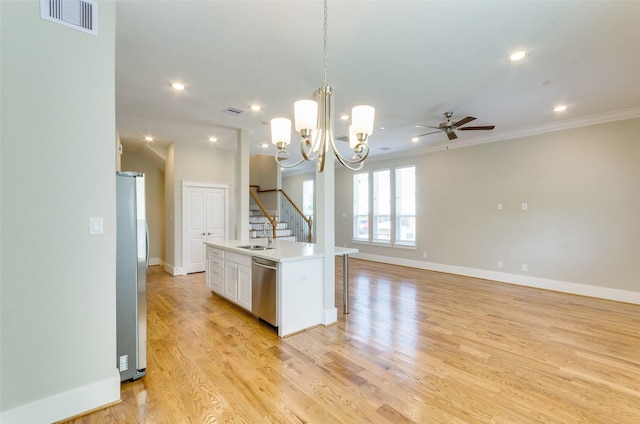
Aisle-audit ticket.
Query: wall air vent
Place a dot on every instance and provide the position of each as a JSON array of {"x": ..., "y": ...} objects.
[
  {"x": 77, "y": 14},
  {"x": 233, "y": 111}
]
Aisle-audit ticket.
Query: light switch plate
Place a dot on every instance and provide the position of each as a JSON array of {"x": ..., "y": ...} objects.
[{"x": 96, "y": 225}]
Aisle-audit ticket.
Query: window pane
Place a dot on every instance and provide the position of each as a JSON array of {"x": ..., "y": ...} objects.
[
  {"x": 307, "y": 197},
  {"x": 361, "y": 206},
  {"x": 382, "y": 205},
  {"x": 406, "y": 205}
]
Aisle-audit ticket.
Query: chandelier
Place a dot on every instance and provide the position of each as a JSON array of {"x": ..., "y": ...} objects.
[{"x": 313, "y": 122}]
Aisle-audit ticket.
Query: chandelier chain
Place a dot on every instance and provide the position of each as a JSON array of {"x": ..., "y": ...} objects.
[{"x": 325, "y": 45}]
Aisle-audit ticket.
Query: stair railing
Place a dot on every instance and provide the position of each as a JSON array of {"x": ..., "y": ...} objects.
[
  {"x": 300, "y": 225},
  {"x": 272, "y": 220}
]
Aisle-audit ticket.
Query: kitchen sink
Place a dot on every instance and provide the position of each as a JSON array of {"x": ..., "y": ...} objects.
[{"x": 255, "y": 247}]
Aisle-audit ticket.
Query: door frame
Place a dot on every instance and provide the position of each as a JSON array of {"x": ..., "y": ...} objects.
[{"x": 185, "y": 235}]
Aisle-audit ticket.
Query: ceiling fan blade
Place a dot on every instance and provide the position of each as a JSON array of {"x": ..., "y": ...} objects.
[
  {"x": 432, "y": 132},
  {"x": 464, "y": 121},
  {"x": 486, "y": 127},
  {"x": 452, "y": 135},
  {"x": 426, "y": 126}
]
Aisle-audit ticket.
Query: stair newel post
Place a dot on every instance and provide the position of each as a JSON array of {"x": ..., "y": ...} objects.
[{"x": 274, "y": 225}]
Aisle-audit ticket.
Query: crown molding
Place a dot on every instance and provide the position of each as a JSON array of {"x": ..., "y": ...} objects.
[{"x": 602, "y": 118}]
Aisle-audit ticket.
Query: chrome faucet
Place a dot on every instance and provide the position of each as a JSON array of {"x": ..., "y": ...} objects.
[{"x": 269, "y": 233}]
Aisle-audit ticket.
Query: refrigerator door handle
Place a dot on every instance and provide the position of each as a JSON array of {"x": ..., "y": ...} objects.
[{"x": 146, "y": 232}]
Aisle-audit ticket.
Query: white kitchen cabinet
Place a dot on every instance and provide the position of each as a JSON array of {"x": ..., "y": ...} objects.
[
  {"x": 244, "y": 286},
  {"x": 237, "y": 279},
  {"x": 215, "y": 269},
  {"x": 231, "y": 281}
]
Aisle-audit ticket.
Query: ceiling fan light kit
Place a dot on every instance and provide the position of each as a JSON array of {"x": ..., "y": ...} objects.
[
  {"x": 313, "y": 122},
  {"x": 449, "y": 128}
]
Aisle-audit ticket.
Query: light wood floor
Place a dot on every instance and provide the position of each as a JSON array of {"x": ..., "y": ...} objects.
[{"x": 417, "y": 347}]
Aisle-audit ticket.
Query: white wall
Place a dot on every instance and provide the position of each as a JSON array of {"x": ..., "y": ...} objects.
[
  {"x": 58, "y": 317},
  {"x": 581, "y": 231}
]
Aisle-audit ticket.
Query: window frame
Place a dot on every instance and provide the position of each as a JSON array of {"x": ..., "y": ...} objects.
[{"x": 396, "y": 208}]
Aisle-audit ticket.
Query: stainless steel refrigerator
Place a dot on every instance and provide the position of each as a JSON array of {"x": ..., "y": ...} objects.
[{"x": 132, "y": 259}]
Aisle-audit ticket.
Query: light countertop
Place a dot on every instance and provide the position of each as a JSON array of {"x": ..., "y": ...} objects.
[{"x": 283, "y": 251}]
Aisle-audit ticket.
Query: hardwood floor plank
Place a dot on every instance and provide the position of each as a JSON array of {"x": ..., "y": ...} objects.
[{"x": 417, "y": 347}]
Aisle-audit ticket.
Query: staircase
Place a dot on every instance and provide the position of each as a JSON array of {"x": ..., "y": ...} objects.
[{"x": 260, "y": 228}]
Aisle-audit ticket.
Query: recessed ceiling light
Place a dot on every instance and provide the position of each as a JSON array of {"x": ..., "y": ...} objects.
[
  {"x": 560, "y": 108},
  {"x": 255, "y": 107},
  {"x": 344, "y": 117},
  {"x": 516, "y": 56},
  {"x": 415, "y": 139},
  {"x": 213, "y": 139},
  {"x": 177, "y": 86},
  {"x": 265, "y": 145},
  {"x": 148, "y": 138}
]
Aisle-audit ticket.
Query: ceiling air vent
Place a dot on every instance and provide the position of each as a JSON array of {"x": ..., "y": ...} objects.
[
  {"x": 77, "y": 14},
  {"x": 343, "y": 138},
  {"x": 233, "y": 111}
]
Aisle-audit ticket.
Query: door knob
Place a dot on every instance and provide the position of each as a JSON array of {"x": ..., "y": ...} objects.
[{"x": 203, "y": 234}]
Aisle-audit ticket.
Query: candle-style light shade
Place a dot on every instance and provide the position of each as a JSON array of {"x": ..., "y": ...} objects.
[
  {"x": 306, "y": 114},
  {"x": 362, "y": 119},
  {"x": 353, "y": 138},
  {"x": 281, "y": 131}
]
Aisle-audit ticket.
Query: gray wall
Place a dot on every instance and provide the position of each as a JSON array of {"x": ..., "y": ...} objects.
[
  {"x": 581, "y": 226},
  {"x": 264, "y": 173},
  {"x": 58, "y": 338},
  {"x": 200, "y": 164}
]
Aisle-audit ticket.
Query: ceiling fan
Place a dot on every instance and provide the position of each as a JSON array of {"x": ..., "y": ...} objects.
[{"x": 449, "y": 127}]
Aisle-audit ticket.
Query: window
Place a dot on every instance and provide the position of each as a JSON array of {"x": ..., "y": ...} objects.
[
  {"x": 361, "y": 206},
  {"x": 382, "y": 206},
  {"x": 390, "y": 223},
  {"x": 406, "y": 205},
  {"x": 307, "y": 198}
]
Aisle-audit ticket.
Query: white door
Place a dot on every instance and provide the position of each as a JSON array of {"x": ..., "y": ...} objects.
[
  {"x": 215, "y": 214},
  {"x": 204, "y": 220}
]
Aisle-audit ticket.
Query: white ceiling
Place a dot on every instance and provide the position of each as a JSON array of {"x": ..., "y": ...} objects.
[{"x": 411, "y": 60}]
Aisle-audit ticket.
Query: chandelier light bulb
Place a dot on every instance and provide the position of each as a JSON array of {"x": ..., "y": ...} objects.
[
  {"x": 306, "y": 114},
  {"x": 281, "y": 132},
  {"x": 363, "y": 119}
]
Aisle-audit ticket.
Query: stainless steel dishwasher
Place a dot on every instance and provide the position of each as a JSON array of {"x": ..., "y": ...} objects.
[{"x": 263, "y": 289}]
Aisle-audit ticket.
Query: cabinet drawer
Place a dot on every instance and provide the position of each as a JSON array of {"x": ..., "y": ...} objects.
[
  {"x": 216, "y": 272},
  {"x": 238, "y": 258},
  {"x": 216, "y": 280},
  {"x": 216, "y": 263},
  {"x": 215, "y": 253}
]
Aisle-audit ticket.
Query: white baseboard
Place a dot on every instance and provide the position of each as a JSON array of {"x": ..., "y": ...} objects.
[
  {"x": 67, "y": 404},
  {"x": 329, "y": 316},
  {"x": 521, "y": 280},
  {"x": 174, "y": 271},
  {"x": 155, "y": 261}
]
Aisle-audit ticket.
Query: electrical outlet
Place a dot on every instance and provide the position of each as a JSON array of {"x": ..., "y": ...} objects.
[
  {"x": 499, "y": 206},
  {"x": 499, "y": 264},
  {"x": 525, "y": 268},
  {"x": 424, "y": 255},
  {"x": 525, "y": 206}
]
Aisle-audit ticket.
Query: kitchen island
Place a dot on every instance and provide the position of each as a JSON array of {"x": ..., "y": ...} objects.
[{"x": 299, "y": 282}]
